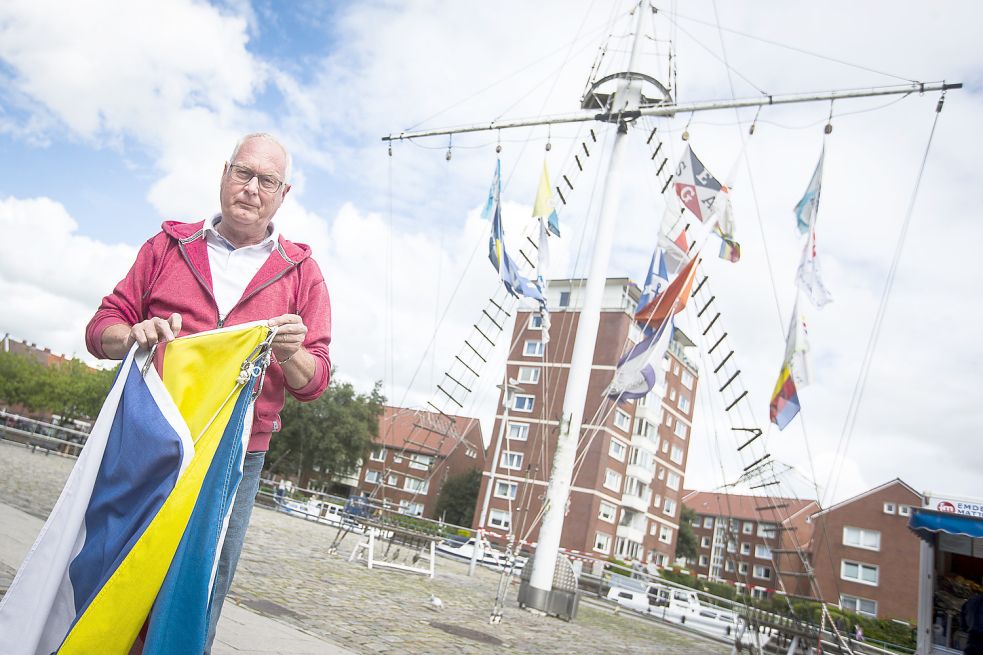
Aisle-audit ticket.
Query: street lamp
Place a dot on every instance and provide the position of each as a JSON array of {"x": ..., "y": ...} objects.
[{"x": 509, "y": 390}]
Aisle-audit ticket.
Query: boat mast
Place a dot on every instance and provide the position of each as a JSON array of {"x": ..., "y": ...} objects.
[{"x": 626, "y": 98}]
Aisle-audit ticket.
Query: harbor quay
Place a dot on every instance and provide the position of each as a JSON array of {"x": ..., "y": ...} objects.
[{"x": 294, "y": 593}]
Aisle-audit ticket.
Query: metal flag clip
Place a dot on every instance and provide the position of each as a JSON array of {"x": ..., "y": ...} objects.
[{"x": 150, "y": 361}]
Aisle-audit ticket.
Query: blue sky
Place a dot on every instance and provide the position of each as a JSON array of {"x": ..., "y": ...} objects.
[{"x": 117, "y": 116}]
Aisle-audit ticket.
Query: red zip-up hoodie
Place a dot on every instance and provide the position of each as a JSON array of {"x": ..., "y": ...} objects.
[{"x": 172, "y": 274}]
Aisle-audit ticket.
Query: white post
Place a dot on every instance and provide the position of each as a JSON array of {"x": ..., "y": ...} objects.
[
  {"x": 544, "y": 560},
  {"x": 507, "y": 389}
]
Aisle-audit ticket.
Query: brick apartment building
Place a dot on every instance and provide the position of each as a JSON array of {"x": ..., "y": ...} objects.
[
  {"x": 625, "y": 496},
  {"x": 749, "y": 541},
  {"x": 864, "y": 557},
  {"x": 415, "y": 457}
]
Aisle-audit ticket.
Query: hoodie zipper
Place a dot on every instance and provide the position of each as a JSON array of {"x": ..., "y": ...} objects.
[{"x": 273, "y": 279}]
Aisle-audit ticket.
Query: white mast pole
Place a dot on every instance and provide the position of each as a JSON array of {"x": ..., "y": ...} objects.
[{"x": 626, "y": 98}]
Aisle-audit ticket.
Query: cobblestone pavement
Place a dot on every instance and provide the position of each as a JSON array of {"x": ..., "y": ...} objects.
[{"x": 287, "y": 571}]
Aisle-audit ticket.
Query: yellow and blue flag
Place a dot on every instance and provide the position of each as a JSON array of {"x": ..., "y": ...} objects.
[{"x": 127, "y": 557}]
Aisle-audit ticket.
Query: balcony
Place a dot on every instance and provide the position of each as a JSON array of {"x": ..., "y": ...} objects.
[
  {"x": 642, "y": 473},
  {"x": 648, "y": 444},
  {"x": 637, "y": 503},
  {"x": 631, "y": 533}
]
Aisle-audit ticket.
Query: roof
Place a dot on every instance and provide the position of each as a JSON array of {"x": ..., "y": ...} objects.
[
  {"x": 420, "y": 431},
  {"x": 867, "y": 493},
  {"x": 751, "y": 508}
]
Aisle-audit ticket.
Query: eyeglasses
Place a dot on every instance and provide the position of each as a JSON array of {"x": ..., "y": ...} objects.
[{"x": 243, "y": 175}]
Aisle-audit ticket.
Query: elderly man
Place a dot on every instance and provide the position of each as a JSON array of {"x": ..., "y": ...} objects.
[{"x": 233, "y": 268}]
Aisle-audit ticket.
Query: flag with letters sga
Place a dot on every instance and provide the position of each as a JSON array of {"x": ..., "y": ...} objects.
[
  {"x": 124, "y": 563},
  {"x": 697, "y": 189}
]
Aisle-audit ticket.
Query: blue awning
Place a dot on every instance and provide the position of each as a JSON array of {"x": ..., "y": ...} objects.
[{"x": 926, "y": 523}]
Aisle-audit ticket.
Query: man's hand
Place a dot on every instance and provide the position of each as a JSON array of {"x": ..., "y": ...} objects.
[
  {"x": 290, "y": 335},
  {"x": 153, "y": 331},
  {"x": 118, "y": 339},
  {"x": 287, "y": 345}
]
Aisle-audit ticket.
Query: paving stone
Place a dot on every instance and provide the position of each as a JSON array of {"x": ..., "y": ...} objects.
[{"x": 289, "y": 572}]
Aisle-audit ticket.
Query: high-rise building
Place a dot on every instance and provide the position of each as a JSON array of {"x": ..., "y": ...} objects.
[{"x": 631, "y": 459}]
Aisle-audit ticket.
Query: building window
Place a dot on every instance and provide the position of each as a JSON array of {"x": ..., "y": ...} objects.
[
  {"x": 506, "y": 490},
  {"x": 564, "y": 299},
  {"x": 762, "y": 572},
  {"x": 622, "y": 420},
  {"x": 665, "y": 445},
  {"x": 612, "y": 480},
  {"x": 378, "y": 455},
  {"x": 761, "y": 551},
  {"x": 704, "y": 542},
  {"x": 687, "y": 379},
  {"x": 677, "y": 455},
  {"x": 904, "y": 510},
  {"x": 397, "y": 459},
  {"x": 767, "y": 530},
  {"x": 683, "y": 404},
  {"x": 731, "y": 547},
  {"x": 669, "y": 507},
  {"x": 602, "y": 542},
  {"x": 512, "y": 461},
  {"x": 696, "y": 521},
  {"x": 672, "y": 395},
  {"x": 673, "y": 480},
  {"x": 862, "y": 573},
  {"x": 373, "y": 477},
  {"x": 667, "y": 418},
  {"x": 858, "y": 605},
  {"x": 642, "y": 459},
  {"x": 533, "y": 348},
  {"x": 529, "y": 375},
  {"x": 617, "y": 450},
  {"x": 665, "y": 534},
  {"x": 889, "y": 508},
  {"x": 729, "y": 566},
  {"x": 742, "y": 568},
  {"x": 748, "y": 527},
  {"x": 518, "y": 431},
  {"x": 704, "y": 560},
  {"x": 680, "y": 430},
  {"x": 745, "y": 548},
  {"x": 416, "y": 485},
  {"x": 535, "y": 321},
  {"x": 500, "y": 519},
  {"x": 861, "y": 538},
  {"x": 707, "y": 521},
  {"x": 421, "y": 462},
  {"x": 523, "y": 403},
  {"x": 606, "y": 512},
  {"x": 412, "y": 509},
  {"x": 393, "y": 480}
]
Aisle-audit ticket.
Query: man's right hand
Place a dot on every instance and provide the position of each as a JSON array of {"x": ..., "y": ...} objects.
[
  {"x": 118, "y": 339},
  {"x": 152, "y": 331}
]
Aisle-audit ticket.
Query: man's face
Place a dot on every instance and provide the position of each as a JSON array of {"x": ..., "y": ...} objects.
[{"x": 246, "y": 206}]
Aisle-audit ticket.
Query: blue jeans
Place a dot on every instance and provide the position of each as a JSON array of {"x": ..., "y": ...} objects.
[{"x": 242, "y": 509}]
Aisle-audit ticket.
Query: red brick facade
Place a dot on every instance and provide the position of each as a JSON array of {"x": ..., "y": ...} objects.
[{"x": 625, "y": 495}]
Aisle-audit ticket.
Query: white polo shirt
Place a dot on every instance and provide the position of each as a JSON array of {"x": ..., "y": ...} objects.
[{"x": 234, "y": 268}]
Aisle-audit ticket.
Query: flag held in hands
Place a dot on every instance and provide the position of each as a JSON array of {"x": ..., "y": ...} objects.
[{"x": 126, "y": 557}]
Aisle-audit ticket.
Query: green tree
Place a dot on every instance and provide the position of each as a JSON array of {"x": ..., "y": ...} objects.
[
  {"x": 331, "y": 434},
  {"x": 686, "y": 545},
  {"x": 70, "y": 389},
  {"x": 458, "y": 498}
]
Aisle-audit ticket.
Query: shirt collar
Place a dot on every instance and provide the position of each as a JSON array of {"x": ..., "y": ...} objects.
[{"x": 212, "y": 235}]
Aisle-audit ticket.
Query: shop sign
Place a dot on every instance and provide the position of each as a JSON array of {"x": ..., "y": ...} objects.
[{"x": 955, "y": 506}]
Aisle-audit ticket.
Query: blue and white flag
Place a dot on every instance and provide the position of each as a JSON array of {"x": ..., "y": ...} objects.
[
  {"x": 656, "y": 280},
  {"x": 127, "y": 555},
  {"x": 515, "y": 283},
  {"x": 641, "y": 370},
  {"x": 808, "y": 206}
]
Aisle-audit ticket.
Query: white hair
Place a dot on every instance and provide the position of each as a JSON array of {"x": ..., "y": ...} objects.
[{"x": 265, "y": 135}]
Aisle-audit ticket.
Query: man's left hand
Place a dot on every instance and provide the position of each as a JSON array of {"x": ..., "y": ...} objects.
[{"x": 290, "y": 335}]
